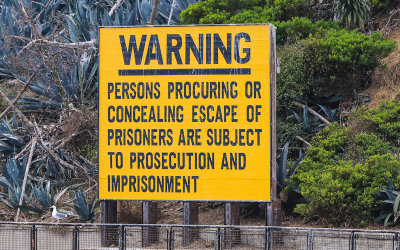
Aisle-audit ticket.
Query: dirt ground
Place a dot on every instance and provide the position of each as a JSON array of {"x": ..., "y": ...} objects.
[{"x": 385, "y": 84}]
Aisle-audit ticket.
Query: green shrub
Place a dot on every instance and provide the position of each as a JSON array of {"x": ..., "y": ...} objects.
[
  {"x": 89, "y": 151},
  {"x": 342, "y": 192},
  {"x": 294, "y": 79},
  {"x": 381, "y": 4},
  {"x": 341, "y": 174},
  {"x": 333, "y": 138},
  {"x": 291, "y": 8},
  {"x": 342, "y": 59},
  {"x": 333, "y": 59},
  {"x": 300, "y": 28},
  {"x": 352, "y": 50},
  {"x": 243, "y": 11},
  {"x": 216, "y": 11},
  {"x": 256, "y": 15},
  {"x": 385, "y": 119},
  {"x": 366, "y": 145},
  {"x": 341, "y": 189}
]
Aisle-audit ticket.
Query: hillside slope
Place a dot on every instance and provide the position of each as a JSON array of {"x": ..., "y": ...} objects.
[{"x": 385, "y": 84}]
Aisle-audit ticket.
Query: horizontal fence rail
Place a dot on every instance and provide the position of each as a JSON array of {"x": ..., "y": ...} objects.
[{"x": 127, "y": 236}]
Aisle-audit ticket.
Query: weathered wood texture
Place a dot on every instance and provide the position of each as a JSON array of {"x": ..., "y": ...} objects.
[
  {"x": 149, "y": 234},
  {"x": 190, "y": 217},
  {"x": 108, "y": 213}
]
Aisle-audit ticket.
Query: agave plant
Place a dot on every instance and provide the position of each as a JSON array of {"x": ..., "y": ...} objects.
[
  {"x": 283, "y": 173},
  {"x": 314, "y": 123},
  {"x": 72, "y": 81},
  {"x": 78, "y": 86},
  {"x": 12, "y": 177},
  {"x": 10, "y": 141},
  {"x": 58, "y": 85},
  {"x": 45, "y": 197},
  {"x": 389, "y": 209},
  {"x": 85, "y": 211}
]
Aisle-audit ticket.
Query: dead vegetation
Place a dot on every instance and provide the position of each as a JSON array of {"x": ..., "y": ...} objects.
[{"x": 385, "y": 84}]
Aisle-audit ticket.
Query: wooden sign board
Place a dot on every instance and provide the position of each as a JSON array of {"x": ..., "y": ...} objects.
[{"x": 185, "y": 113}]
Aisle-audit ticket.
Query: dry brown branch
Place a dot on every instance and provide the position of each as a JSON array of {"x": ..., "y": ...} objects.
[
  {"x": 27, "y": 146},
  {"x": 21, "y": 198},
  {"x": 36, "y": 129},
  {"x": 44, "y": 42},
  {"x": 304, "y": 141},
  {"x": 171, "y": 11},
  {"x": 312, "y": 112},
  {"x": 62, "y": 142},
  {"x": 87, "y": 161},
  {"x": 116, "y": 6},
  {"x": 44, "y": 8},
  {"x": 21, "y": 92},
  {"x": 154, "y": 12},
  {"x": 390, "y": 18},
  {"x": 17, "y": 111},
  {"x": 31, "y": 21}
]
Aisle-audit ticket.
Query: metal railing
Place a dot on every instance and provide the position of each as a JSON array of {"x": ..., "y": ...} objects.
[{"x": 43, "y": 236}]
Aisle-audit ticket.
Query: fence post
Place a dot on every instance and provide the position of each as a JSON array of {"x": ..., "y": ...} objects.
[
  {"x": 396, "y": 241},
  {"x": 352, "y": 241},
  {"x": 122, "y": 235},
  {"x": 310, "y": 240},
  {"x": 268, "y": 239},
  {"x": 76, "y": 238},
  {"x": 170, "y": 238},
  {"x": 33, "y": 238},
  {"x": 218, "y": 245}
]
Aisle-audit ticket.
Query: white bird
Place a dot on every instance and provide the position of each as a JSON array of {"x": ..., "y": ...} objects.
[{"x": 56, "y": 215}]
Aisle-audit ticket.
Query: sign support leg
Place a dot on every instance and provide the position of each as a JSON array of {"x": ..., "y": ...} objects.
[
  {"x": 149, "y": 234},
  {"x": 109, "y": 234},
  {"x": 232, "y": 217},
  {"x": 190, "y": 217},
  {"x": 273, "y": 208}
]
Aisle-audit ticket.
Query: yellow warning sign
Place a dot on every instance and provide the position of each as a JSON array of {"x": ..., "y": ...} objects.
[{"x": 184, "y": 113}]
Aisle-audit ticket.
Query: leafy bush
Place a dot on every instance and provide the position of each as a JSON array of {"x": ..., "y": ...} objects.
[
  {"x": 333, "y": 59},
  {"x": 366, "y": 145},
  {"x": 352, "y": 50},
  {"x": 291, "y": 8},
  {"x": 385, "y": 119},
  {"x": 294, "y": 79},
  {"x": 341, "y": 189},
  {"x": 300, "y": 28},
  {"x": 242, "y": 11},
  {"x": 381, "y": 4},
  {"x": 342, "y": 59},
  {"x": 216, "y": 11},
  {"x": 256, "y": 15}
]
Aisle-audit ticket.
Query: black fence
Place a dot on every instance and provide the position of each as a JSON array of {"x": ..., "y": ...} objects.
[{"x": 106, "y": 236}]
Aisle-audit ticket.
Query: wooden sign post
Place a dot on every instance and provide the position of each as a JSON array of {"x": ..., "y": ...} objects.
[
  {"x": 190, "y": 217},
  {"x": 149, "y": 234},
  {"x": 108, "y": 213},
  {"x": 232, "y": 217}
]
